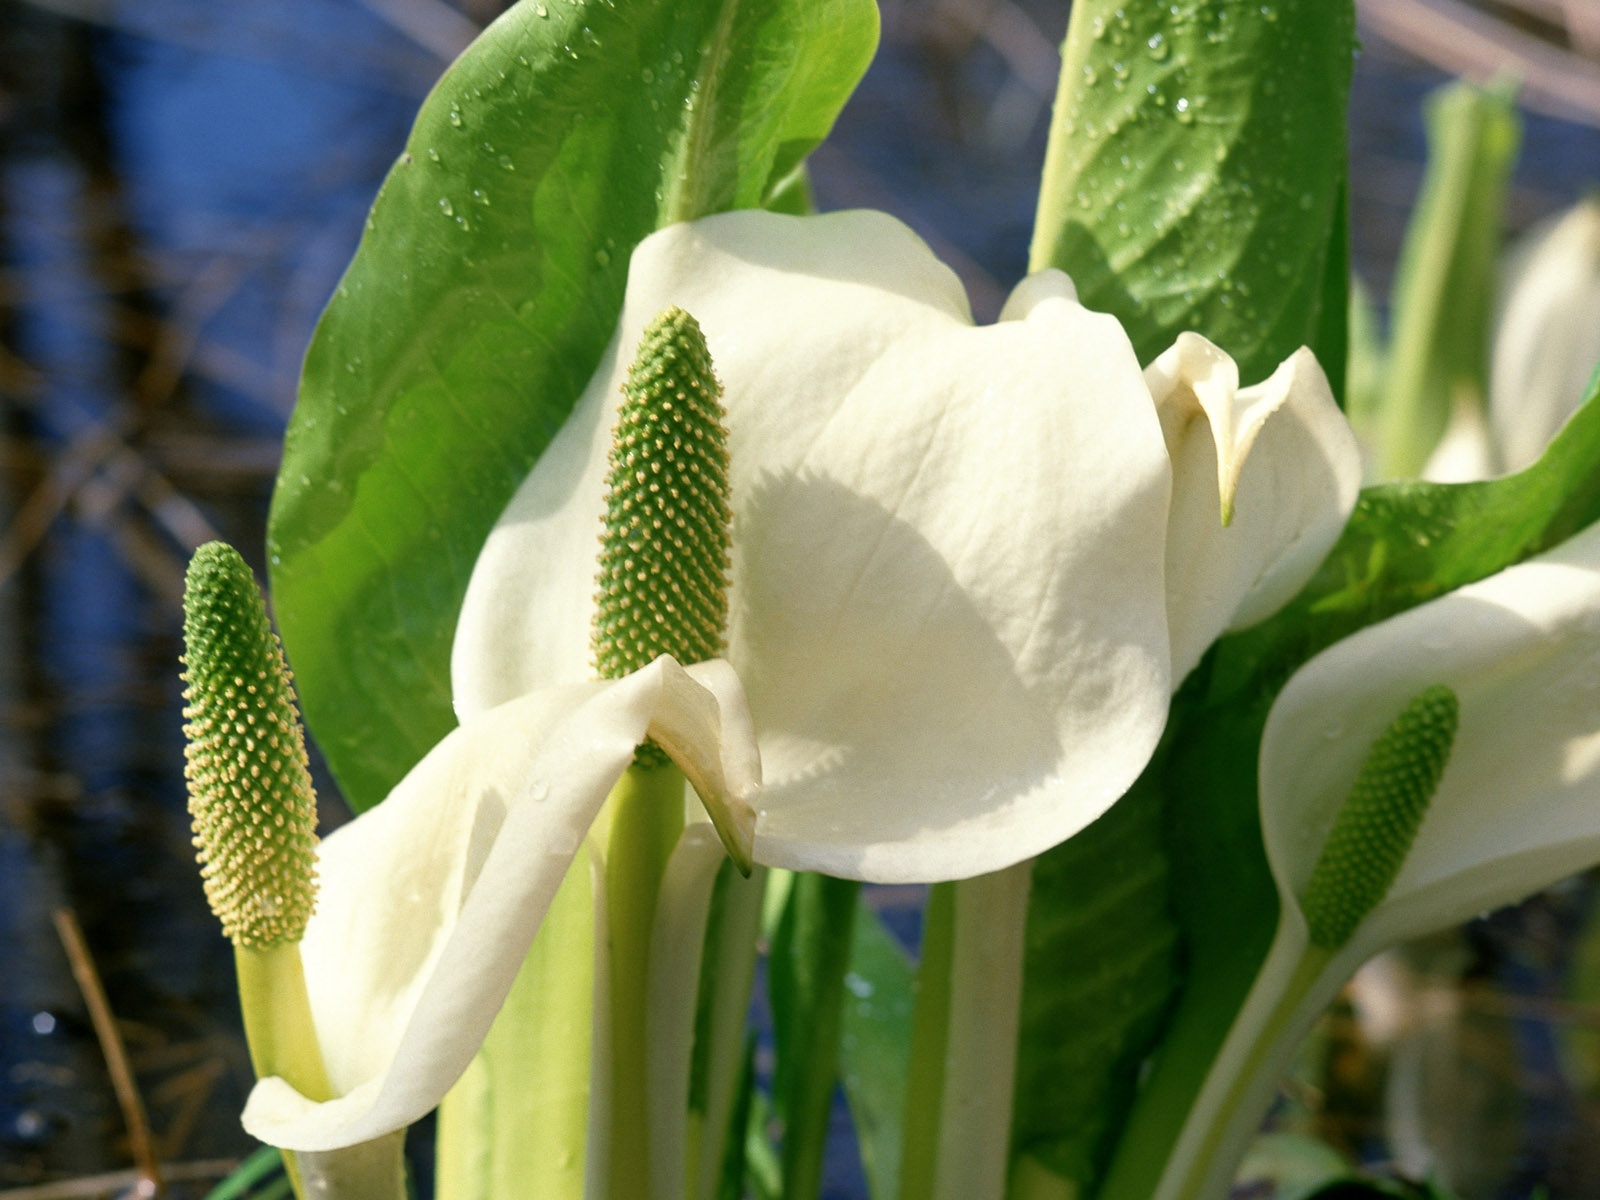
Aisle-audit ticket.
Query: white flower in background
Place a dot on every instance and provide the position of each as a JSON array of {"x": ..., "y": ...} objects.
[
  {"x": 1545, "y": 353},
  {"x": 1516, "y": 808}
]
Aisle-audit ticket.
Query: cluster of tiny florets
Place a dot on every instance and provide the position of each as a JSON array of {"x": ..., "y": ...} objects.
[
  {"x": 1379, "y": 819},
  {"x": 250, "y": 793},
  {"x": 662, "y": 584}
]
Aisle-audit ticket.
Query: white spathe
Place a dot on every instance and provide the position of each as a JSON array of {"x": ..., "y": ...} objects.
[
  {"x": 1517, "y": 808},
  {"x": 1231, "y": 568},
  {"x": 949, "y": 603},
  {"x": 427, "y": 904}
]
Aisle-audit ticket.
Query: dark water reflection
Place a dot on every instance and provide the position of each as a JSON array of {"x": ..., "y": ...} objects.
[{"x": 181, "y": 183}]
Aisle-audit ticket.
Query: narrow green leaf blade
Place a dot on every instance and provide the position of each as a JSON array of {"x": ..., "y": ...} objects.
[
  {"x": 478, "y": 305},
  {"x": 1194, "y": 168},
  {"x": 806, "y": 971},
  {"x": 875, "y": 1048},
  {"x": 1444, "y": 294}
]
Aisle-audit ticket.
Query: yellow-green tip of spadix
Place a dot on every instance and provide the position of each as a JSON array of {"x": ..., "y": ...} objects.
[
  {"x": 1380, "y": 817},
  {"x": 250, "y": 790}
]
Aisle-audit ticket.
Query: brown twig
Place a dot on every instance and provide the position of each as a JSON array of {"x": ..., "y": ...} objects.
[
  {"x": 105, "y": 1029},
  {"x": 86, "y": 1186}
]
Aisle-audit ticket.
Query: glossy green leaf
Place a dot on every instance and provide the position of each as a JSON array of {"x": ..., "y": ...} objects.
[
  {"x": 1404, "y": 545},
  {"x": 1102, "y": 966},
  {"x": 875, "y": 1048},
  {"x": 480, "y": 300},
  {"x": 1195, "y": 171}
]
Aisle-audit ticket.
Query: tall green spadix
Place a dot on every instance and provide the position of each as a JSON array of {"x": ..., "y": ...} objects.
[
  {"x": 249, "y": 788},
  {"x": 662, "y": 586},
  {"x": 253, "y": 808},
  {"x": 1380, "y": 817}
]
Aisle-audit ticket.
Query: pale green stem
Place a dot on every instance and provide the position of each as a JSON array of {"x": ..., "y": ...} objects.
[
  {"x": 517, "y": 1123},
  {"x": 1055, "y": 193},
  {"x": 1294, "y": 986},
  {"x": 644, "y": 819},
  {"x": 930, "y": 1028},
  {"x": 732, "y": 975},
  {"x": 374, "y": 1170},
  {"x": 279, "y": 1028},
  {"x": 675, "y": 950},
  {"x": 963, "y": 1140}
]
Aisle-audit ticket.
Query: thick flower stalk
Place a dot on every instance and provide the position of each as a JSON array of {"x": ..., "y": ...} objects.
[{"x": 1431, "y": 767}]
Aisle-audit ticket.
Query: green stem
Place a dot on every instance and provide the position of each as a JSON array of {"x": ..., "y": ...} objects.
[
  {"x": 517, "y": 1123},
  {"x": 960, "y": 1146},
  {"x": 1288, "y": 996},
  {"x": 930, "y": 1030},
  {"x": 644, "y": 818},
  {"x": 278, "y": 1027},
  {"x": 1055, "y": 194},
  {"x": 730, "y": 976}
]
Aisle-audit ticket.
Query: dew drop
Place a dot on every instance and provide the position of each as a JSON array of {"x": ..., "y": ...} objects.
[{"x": 446, "y": 207}]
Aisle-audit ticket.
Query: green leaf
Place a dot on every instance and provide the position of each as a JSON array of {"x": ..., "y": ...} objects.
[
  {"x": 481, "y": 298},
  {"x": 806, "y": 971},
  {"x": 1405, "y": 544},
  {"x": 1194, "y": 171},
  {"x": 1102, "y": 966},
  {"x": 875, "y": 1048},
  {"x": 1444, "y": 293}
]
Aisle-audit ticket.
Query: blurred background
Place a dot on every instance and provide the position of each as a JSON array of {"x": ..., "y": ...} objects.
[{"x": 181, "y": 184}]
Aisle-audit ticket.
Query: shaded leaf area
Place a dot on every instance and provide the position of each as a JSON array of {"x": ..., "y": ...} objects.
[
  {"x": 1102, "y": 966},
  {"x": 1405, "y": 544},
  {"x": 1195, "y": 173},
  {"x": 480, "y": 301}
]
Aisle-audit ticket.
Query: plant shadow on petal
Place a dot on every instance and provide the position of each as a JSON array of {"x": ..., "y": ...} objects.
[{"x": 888, "y": 707}]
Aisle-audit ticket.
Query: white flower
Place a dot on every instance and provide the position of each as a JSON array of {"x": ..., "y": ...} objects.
[
  {"x": 428, "y": 903},
  {"x": 957, "y": 553},
  {"x": 1517, "y": 808},
  {"x": 954, "y": 569}
]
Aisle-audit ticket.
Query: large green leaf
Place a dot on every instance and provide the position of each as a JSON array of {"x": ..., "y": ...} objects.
[
  {"x": 1405, "y": 544},
  {"x": 1194, "y": 180},
  {"x": 1195, "y": 170},
  {"x": 480, "y": 300}
]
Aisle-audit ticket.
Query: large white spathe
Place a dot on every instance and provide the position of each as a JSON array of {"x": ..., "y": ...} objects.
[
  {"x": 427, "y": 904},
  {"x": 1518, "y": 806},
  {"x": 949, "y": 600}
]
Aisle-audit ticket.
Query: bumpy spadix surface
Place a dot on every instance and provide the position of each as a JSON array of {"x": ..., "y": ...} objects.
[
  {"x": 662, "y": 585},
  {"x": 250, "y": 794},
  {"x": 1372, "y": 835},
  {"x": 948, "y": 599}
]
